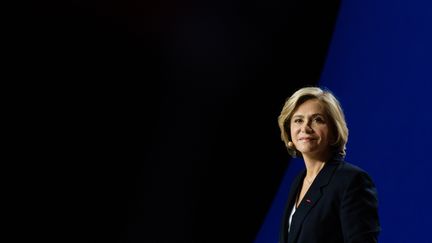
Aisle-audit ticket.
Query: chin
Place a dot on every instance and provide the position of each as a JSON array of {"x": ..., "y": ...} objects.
[{"x": 308, "y": 150}]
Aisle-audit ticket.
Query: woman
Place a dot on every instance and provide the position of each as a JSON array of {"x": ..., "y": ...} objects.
[{"x": 331, "y": 200}]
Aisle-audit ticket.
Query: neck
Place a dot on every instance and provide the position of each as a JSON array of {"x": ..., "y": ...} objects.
[{"x": 314, "y": 164}]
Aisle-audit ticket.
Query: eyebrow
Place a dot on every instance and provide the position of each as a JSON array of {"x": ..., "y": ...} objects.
[{"x": 313, "y": 115}]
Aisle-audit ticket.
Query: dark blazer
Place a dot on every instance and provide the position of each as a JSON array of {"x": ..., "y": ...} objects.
[{"x": 340, "y": 206}]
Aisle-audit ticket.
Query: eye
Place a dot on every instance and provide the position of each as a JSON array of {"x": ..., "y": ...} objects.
[
  {"x": 319, "y": 119},
  {"x": 298, "y": 120}
]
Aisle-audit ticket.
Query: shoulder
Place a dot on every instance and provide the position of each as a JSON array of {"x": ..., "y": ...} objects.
[
  {"x": 348, "y": 174},
  {"x": 298, "y": 178},
  {"x": 347, "y": 170}
]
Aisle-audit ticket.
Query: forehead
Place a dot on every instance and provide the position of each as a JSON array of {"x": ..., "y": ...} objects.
[{"x": 309, "y": 107}]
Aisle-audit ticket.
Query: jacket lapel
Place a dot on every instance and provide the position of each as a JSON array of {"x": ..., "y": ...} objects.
[
  {"x": 310, "y": 199},
  {"x": 290, "y": 203}
]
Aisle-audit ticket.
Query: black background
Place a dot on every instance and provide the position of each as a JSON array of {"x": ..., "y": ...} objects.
[{"x": 160, "y": 118}]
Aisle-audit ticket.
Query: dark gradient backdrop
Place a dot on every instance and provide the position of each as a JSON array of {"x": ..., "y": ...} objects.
[{"x": 157, "y": 119}]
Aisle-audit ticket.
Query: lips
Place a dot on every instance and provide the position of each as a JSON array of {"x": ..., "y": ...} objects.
[{"x": 307, "y": 139}]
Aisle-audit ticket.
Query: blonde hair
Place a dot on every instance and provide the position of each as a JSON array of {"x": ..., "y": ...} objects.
[{"x": 333, "y": 110}]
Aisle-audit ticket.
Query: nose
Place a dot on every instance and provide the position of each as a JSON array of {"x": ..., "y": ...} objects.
[{"x": 306, "y": 127}]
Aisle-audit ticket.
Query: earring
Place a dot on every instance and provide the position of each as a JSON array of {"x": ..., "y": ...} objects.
[
  {"x": 291, "y": 149},
  {"x": 291, "y": 144}
]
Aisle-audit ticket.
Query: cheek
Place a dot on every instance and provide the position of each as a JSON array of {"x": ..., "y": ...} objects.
[
  {"x": 293, "y": 131},
  {"x": 327, "y": 136}
]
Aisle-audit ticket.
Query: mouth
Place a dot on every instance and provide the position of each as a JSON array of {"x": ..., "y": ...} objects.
[{"x": 307, "y": 139}]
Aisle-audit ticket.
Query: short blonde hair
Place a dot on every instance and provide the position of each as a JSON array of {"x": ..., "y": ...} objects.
[{"x": 333, "y": 110}]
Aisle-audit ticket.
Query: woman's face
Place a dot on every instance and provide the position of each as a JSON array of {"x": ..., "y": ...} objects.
[{"x": 311, "y": 130}]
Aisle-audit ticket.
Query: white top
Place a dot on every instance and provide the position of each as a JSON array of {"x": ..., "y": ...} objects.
[{"x": 290, "y": 217}]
